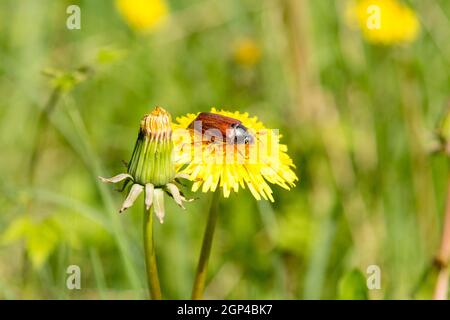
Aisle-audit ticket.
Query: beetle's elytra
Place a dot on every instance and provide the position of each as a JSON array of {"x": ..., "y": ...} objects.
[{"x": 214, "y": 126}]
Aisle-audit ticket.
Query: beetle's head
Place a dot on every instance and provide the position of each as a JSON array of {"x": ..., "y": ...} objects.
[{"x": 242, "y": 135}]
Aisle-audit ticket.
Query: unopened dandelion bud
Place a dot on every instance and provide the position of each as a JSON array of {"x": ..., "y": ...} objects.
[
  {"x": 151, "y": 161},
  {"x": 151, "y": 169}
]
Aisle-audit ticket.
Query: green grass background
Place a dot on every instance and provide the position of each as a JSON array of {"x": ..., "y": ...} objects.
[{"x": 358, "y": 120}]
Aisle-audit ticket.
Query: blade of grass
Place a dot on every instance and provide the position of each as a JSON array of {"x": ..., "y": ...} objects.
[
  {"x": 270, "y": 223},
  {"x": 98, "y": 273}
]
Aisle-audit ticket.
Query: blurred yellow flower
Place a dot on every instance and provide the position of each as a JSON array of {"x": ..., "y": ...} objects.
[
  {"x": 218, "y": 163},
  {"x": 143, "y": 15},
  {"x": 246, "y": 52},
  {"x": 385, "y": 21}
]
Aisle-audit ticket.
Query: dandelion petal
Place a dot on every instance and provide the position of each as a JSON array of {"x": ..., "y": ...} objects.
[{"x": 183, "y": 176}]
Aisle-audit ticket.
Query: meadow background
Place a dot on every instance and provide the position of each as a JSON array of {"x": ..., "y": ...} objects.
[{"x": 359, "y": 120}]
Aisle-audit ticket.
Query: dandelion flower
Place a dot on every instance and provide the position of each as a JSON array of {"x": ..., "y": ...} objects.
[
  {"x": 143, "y": 15},
  {"x": 384, "y": 21},
  {"x": 213, "y": 163}
]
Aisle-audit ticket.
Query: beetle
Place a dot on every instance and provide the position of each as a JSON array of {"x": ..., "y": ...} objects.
[{"x": 213, "y": 126}]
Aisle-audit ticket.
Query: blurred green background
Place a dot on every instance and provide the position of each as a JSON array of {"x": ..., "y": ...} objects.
[{"x": 359, "y": 120}]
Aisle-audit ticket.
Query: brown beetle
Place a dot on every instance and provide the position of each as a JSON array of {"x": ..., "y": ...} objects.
[{"x": 216, "y": 126}]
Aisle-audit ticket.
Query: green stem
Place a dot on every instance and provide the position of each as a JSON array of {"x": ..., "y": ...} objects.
[
  {"x": 150, "y": 256},
  {"x": 202, "y": 268}
]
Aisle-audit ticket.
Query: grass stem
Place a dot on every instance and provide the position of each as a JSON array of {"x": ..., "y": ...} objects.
[{"x": 40, "y": 130}]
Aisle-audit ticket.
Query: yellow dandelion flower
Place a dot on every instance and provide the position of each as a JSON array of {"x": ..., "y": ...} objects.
[
  {"x": 143, "y": 15},
  {"x": 385, "y": 21},
  {"x": 212, "y": 159},
  {"x": 246, "y": 52}
]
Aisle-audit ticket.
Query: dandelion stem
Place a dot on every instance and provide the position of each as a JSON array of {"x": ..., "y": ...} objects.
[
  {"x": 442, "y": 259},
  {"x": 202, "y": 267},
  {"x": 150, "y": 256}
]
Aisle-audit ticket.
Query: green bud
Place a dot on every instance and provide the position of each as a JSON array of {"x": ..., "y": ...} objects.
[
  {"x": 151, "y": 161},
  {"x": 151, "y": 169}
]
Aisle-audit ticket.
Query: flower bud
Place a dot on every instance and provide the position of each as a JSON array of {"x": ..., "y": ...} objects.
[
  {"x": 151, "y": 161},
  {"x": 151, "y": 169}
]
